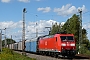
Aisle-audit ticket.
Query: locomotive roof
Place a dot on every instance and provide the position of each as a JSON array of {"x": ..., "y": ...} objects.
[
  {"x": 33, "y": 39},
  {"x": 49, "y": 36},
  {"x": 46, "y": 36}
]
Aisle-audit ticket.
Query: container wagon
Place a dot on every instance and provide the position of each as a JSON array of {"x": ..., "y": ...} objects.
[
  {"x": 20, "y": 46},
  {"x": 15, "y": 46},
  {"x": 31, "y": 45}
]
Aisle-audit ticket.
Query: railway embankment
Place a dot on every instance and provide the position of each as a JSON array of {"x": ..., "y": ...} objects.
[
  {"x": 8, "y": 54},
  {"x": 43, "y": 57}
]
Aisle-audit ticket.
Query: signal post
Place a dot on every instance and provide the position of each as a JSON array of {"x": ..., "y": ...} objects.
[{"x": 23, "y": 33}]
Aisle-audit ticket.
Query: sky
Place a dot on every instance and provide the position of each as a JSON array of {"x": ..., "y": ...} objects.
[{"x": 43, "y": 12}]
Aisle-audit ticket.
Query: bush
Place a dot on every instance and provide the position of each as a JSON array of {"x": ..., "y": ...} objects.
[
  {"x": 8, "y": 54},
  {"x": 7, "y": 51},
  {"x": 83, "y": 49}
]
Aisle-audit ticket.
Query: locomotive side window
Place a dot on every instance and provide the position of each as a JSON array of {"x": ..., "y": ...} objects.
[{"x": 56, "y": 39}]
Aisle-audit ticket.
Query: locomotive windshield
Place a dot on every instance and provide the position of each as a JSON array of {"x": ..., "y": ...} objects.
[{"x": 65, "y": 38}]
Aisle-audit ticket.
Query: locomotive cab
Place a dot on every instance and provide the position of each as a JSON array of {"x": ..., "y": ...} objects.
[{"x": 68, "y": 46}]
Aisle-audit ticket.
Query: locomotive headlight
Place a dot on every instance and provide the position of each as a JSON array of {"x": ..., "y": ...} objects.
[
  {"x": 63, "y": 44},
  {"x": 72, "y": 44}
]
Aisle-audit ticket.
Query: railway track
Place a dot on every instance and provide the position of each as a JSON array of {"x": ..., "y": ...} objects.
[
  {"x": 43, "y": 57},
  {"x": 82, "y": 56}
]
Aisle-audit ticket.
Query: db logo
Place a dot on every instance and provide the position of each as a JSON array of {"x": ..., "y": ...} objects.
[
  {"x": 46, "y": 43},
  {"x": 67, "y": 44}
]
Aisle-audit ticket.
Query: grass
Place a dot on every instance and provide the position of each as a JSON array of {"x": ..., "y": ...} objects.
[{"x": 8, "y": 54}]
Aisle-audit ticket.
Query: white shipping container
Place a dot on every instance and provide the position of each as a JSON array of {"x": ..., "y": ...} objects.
[
  {"x": 9, "y": 46},
  {"x": 19, "y": 45}
]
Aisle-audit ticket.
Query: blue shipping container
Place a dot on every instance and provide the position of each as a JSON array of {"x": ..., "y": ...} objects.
[
  {"x": 31, "y": 45},
  {"x": 27, "y": 46}
]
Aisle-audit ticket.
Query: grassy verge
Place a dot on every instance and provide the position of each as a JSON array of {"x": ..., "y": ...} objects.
[{"x": 8, "y": 54}]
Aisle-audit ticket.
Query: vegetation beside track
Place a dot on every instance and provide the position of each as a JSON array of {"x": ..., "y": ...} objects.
[{"x": 8, "y": 54}]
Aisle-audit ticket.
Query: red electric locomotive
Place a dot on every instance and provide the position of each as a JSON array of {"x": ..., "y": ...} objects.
[{"x": 58, "y": 44}]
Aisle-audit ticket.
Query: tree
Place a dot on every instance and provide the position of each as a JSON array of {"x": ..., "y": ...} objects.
[
  {"x": 89, "y": 45},
  {"x": 72, "y": 26},
  {"x": 55, "y": 29},
  {"x": 9, "y": 41}
]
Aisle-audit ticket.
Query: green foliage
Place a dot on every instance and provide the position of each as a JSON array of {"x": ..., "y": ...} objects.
[
  {"x": 55, "y": 29},
  {"x": 72, "y": 26},
  {"x": 9, "y": 41},
  {"x": 88, "y": 45},
  {"x": 8, "y": 54},
  {"x": 7, "y": 51},
  {"x": 83, "y": 49},
  {"x": 87, "y": 52},
  {"x": 77, "y": 49}
]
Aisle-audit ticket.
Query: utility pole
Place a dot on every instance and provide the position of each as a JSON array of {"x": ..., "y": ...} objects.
[
  {"x": 80, "y": 30},
  {"x": 11, "y": 42},
  {"x": 23, "y": 32},
  {"x": 5, "y": 38},
  {"x": 36, "y": 31},
  {"x": 1, "y": 41},
  {"x": 36, "y": 27}
]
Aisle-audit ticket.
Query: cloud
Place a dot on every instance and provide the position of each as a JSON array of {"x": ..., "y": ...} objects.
[
  {"x": 15, "y": 28},
  {"x": 5, "y": 1},
  {"x": 68, "y": 10},
  {"x": 83, "y": 8},
  {"x": 10, "y": 24},
  {"x": 87, "y": 25},
  {"x": 40, "y": 25},
  {"x": 25, "y": 1},
  {"x": 47, "y": 9},
  {"x": 12, "y": 28}
]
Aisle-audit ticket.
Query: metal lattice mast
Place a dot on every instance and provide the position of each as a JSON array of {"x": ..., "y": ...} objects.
[
  {"x": 80, "y": 30},
  {"x": 1, "y": 41},
  {"x": 36, "y": 31},
  {"x": 5, "y": 38},
  {"x": 36, "y": 27},
  {"x": 23, "y": 31},
  {"x": 11, "y": 42}
]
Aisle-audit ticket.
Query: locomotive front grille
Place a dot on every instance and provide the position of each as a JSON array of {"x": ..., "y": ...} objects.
[{"x": 68, "y": 52}]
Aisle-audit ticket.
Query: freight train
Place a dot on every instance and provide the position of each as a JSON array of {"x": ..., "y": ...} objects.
[{"x": 54, "y": 45}]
